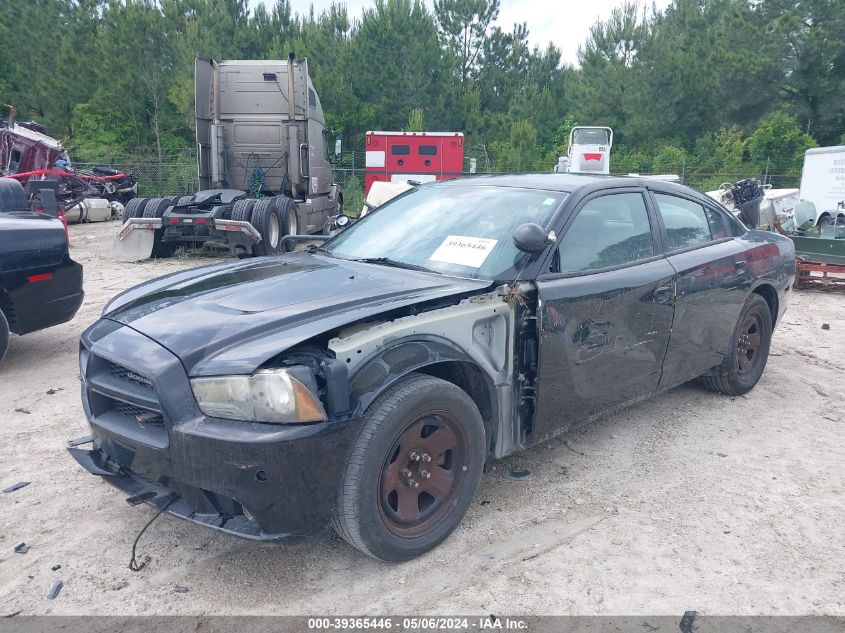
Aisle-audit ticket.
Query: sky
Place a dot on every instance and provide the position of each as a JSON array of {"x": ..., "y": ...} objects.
[{"x": 566, "y": 23}]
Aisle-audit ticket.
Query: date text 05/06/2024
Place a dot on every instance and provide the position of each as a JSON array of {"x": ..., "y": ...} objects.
[{"x": 490, "y": 622}]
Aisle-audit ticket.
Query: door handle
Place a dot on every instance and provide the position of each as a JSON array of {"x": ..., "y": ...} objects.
[
  {"x": 663, "y": 294},
  {"x": 741, "y": 268}
]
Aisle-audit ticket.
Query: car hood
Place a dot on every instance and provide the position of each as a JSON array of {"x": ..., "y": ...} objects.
[{"x": 232, "y": 317}]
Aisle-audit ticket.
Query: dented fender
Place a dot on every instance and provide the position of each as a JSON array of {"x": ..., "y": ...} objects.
[
  {"x": 396, "y": 361},
  {"x": 478, "y": 331}
]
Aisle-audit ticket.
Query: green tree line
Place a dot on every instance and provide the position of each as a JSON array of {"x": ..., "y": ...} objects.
[{"x": 713, "y": 84}]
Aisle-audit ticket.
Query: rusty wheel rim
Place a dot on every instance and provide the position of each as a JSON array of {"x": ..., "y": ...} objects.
[
  {"x": 423, "y": 474},
  {"x": 749, "y": 345}
]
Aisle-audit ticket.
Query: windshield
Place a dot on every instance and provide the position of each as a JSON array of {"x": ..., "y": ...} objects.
[
  {"x": 591, "y": 136},
  {"x": 461, "y": 230}
]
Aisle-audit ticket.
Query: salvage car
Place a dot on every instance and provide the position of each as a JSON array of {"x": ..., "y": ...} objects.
[
  {"x": 364, "y": 383},
  {"x": 40, "y": 285}
]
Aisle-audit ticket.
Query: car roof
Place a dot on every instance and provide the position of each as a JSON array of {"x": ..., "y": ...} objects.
[{"x": 565, "y": 182}]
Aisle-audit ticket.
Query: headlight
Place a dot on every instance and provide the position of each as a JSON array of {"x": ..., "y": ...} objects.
[{"x": 269, "y": 395}]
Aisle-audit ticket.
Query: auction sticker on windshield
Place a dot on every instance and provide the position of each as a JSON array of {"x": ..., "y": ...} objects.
[{"x": 463, "y": 250}]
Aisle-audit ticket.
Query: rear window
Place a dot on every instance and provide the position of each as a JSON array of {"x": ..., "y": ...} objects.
[
  {"x": 400, "y": 150},
  {"x": 428, "y": 150}
]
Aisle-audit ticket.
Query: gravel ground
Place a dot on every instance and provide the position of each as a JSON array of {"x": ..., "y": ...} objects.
[{"x": 688, "y": 501}]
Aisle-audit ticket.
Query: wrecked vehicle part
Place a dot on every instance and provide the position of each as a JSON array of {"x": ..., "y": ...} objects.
[
  {"x": 640, "y": 293},
  {"x": 477, "y": 332},
  {"x": 485, "y": 344}
]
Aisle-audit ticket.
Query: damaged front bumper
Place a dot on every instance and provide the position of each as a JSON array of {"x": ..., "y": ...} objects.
[
  {"x": 159, "y": 496},
  {"x": 149, "y": 439}
]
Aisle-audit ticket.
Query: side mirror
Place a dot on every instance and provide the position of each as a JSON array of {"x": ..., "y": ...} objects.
[
  {"x": 338, "y": 144},
  {"x": 531, "y": 238}
]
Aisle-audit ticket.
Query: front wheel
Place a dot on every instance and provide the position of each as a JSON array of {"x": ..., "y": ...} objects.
[
  {"x": 4, "y": 336},
  {"x": 744, "y": 363},
  {"x": 412, "y": 471}
]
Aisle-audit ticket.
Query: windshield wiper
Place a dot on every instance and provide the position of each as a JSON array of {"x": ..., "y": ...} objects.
[{"x": 386, "y": 261}]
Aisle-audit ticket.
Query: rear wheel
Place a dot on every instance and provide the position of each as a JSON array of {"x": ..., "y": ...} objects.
[
  {"x": 184, "y": 200},
  {"x": 155, "y": 208},
  {"x": 289, "y": 218},
  {"x": 242, "y": 210},
  {"x": 265, "y": 219},
  {"x": 412, "y": 471},
  {"x": 134, "y": 209},
  {"x": 4, "y": 336},
  {"x": 744, "y": 364}
]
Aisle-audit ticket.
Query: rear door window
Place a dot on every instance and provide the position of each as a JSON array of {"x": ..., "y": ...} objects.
[
  {"x": 607, "y": 231},
  {"x": 428, "y": 150},
  {"x": 400, "y": 150},
  {"x": 687, "y": 223}
]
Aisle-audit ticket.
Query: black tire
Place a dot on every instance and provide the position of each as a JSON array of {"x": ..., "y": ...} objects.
[
  {"x": 264, "y": 218},
  {"x": 368, "y": 512},
  {"x": 242, "y": 210},
  {"x": 155, "y": 208},
  {"x": 824, "y": 222},
  {"x": 4, "y": 336},
  {"x": 134, "y": 209},
  {"x": 744, "y": 364},
  {"x": 289, "y": 217},
  {"x": 184, "y": 200}
]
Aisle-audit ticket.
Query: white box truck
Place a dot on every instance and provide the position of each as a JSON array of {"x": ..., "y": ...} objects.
[{"x": 823, "y": 182}]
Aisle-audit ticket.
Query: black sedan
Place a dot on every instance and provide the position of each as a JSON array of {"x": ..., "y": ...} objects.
[
  {"x": 40, "y": 285},
  {"x": 365, "y": 383}
]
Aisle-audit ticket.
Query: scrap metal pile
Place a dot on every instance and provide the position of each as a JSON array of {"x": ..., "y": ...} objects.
[{"x": 28, "y": 153}]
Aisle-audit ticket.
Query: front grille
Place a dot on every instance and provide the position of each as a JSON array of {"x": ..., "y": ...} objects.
[
  {"x": 124, "y": 401},
  {"x": 139, "y": 414},
  {"x": 122, "y": 373}
]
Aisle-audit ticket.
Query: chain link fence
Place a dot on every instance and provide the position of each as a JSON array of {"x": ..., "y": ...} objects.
[{"x": 176, "y": 173}]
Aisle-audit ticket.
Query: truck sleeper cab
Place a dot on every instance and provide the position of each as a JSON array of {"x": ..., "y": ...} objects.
[{"x": 264, "y": 163}]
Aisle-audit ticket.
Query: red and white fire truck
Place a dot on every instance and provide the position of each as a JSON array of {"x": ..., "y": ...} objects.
[{"x": 419, "y": 156}]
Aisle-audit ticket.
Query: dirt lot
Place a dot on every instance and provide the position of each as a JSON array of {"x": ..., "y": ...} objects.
[{"x": 688, "y": 501}]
